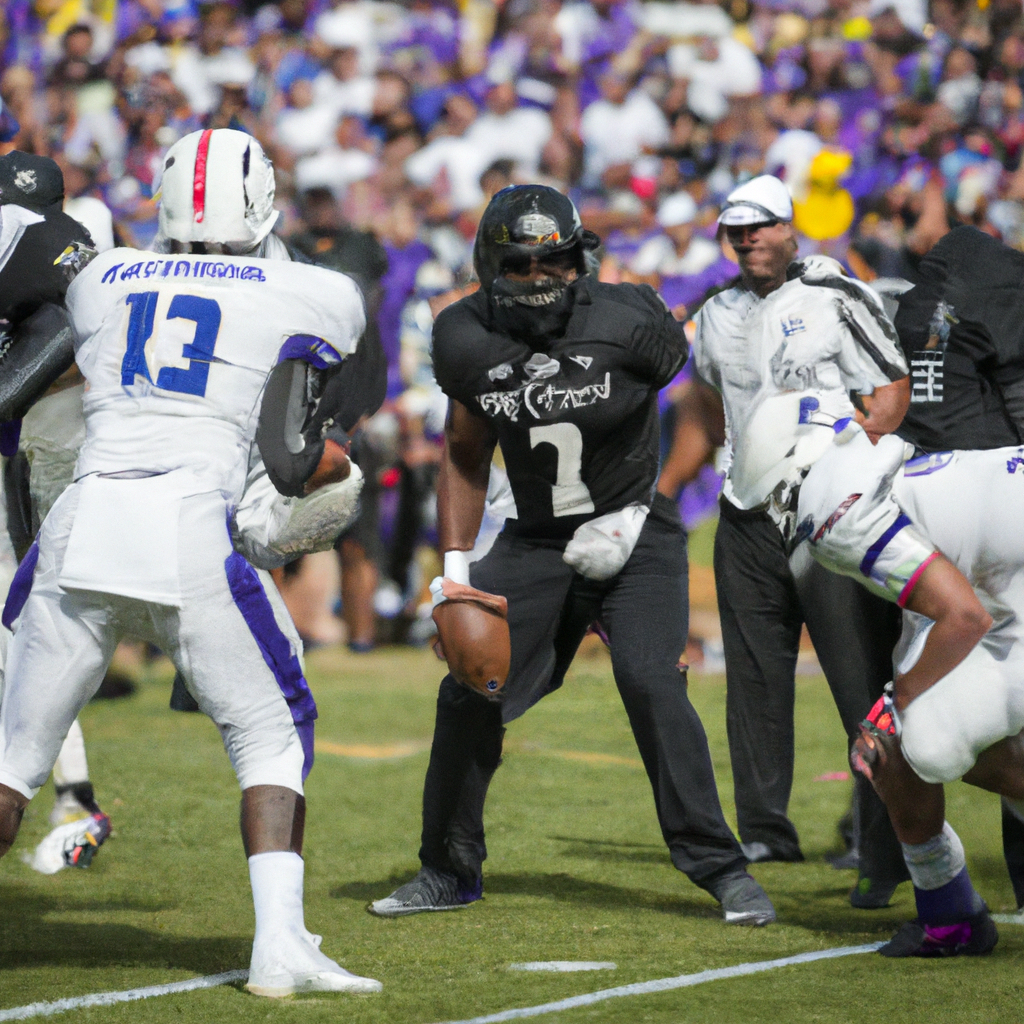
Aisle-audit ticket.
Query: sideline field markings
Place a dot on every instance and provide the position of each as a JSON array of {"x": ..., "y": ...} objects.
[
  {"x": 370, "y": 751},
  {"x": 127, "y": 996},
  {"x": 642, "y": 988},
  {"x": 390, "y": 751},
  {"x": 1017, "y": 918}
]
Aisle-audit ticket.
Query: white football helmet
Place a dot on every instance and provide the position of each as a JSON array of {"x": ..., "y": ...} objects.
[
  {"x": 217, "y": 189},
  {"x": 785, "y": 435}
]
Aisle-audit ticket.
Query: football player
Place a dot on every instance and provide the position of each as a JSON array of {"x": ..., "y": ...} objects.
[
  {"x": 824, "y": 471},
  {"x": 43, "y": 250},
  {"x": 189, "y": 357},
  {"x": 563, "y": 373}
]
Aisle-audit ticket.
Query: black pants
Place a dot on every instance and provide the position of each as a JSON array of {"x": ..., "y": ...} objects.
[
  {"x": 644, "y": 611},
  {"x": 762, "y": 609}
]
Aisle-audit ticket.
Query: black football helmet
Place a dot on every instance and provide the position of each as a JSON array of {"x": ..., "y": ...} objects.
[{"x": 523, "y": 221}]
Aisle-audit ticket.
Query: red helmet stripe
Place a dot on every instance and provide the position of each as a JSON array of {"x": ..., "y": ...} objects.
[{"x": 199, "y": 180}]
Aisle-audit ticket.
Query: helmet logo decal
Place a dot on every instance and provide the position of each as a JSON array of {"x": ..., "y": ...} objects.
[
  {"x": 199, "y": 179},
  {"x": 537, "y": 229},
  {"x": 26, "y": 181}
]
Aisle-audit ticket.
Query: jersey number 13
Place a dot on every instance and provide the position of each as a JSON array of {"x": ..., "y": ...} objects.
[{"x": 191, "y": 380}]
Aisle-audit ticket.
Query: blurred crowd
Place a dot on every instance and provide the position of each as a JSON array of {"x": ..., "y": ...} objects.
[{"x": 391, "y": 124}]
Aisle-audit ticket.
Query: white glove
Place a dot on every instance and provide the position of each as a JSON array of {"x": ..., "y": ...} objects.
[
  {"x": 270, "y": 529},
  {"x": 601, "y": 547}
]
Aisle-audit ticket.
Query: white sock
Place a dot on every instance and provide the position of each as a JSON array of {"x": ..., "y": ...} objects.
[
  {"x": 939, "y": 860},
  {"x": 71, "y": 766},
  {"x": 276, "y": 880}
]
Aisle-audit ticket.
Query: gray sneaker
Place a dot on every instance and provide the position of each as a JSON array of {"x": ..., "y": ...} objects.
[
  {"x": 743, "y": 901},
  {"x": 429, "y": 890}
]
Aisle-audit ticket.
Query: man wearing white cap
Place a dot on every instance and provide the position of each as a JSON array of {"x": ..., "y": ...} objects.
[
  {"x": 793, "y": 331},
  {"x": 684, "y": 265}
]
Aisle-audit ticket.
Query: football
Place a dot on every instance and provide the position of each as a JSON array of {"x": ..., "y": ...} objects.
[{"x": 473, "y": 637}]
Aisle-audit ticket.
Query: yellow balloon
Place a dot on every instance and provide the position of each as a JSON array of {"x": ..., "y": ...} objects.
[{"x": 825, "y": 213}]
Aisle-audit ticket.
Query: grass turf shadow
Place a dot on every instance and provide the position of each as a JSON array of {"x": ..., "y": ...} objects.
[
  {"x": 557, "y": 886},
  {"x": 34, "y": 932},
  {"x": 610, "y": 851}
]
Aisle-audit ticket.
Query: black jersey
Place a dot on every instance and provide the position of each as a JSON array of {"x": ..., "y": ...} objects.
[
  {"x": 962, "y": 330},
  {"x": 42, "y": 263},
  {"x": 576, "y": 419}
]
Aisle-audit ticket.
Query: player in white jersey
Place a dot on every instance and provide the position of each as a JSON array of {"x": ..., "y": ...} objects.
[
  {"x": 828, "y": 483},
  {"x": 177, "y": 351}
]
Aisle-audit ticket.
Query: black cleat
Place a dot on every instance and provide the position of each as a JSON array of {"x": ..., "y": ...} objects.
[{"x": 430, "y": 890}]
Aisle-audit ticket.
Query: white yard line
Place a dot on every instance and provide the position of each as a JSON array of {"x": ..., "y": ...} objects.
[
  {"x": 638, "y": 989},
  {"x": 643, "y": 988},
  {"x": 128, "y": 996}
]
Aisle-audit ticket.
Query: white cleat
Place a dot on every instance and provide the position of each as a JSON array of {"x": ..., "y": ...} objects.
[
  {"x": 72, "y": 844},
  {"x": 284, "y": 965}
]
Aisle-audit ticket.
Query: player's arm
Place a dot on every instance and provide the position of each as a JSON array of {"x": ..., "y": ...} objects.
[
  {"x": 462, "y": 482},
  {"x": 657, "y": 341},
  {"x": 699, "y": 430},
  {"x": 945, "y": 596},
  {"x": 883, "y": 410}
]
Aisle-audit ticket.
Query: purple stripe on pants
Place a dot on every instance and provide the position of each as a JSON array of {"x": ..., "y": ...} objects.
[
  {"x": 21, "y": 586},
  {"x": 253, "y": 603}
]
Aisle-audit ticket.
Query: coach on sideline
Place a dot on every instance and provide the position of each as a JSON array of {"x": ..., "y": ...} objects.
[{"x": 790, "y": 326}]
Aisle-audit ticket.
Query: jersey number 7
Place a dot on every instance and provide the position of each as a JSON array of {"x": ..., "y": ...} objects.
[
  {"x": 206, "y": 315},
  {"x": 570, "y": 496}
]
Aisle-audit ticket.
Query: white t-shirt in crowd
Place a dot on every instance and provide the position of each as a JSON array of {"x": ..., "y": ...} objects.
[{"x": 616, "y": 134}]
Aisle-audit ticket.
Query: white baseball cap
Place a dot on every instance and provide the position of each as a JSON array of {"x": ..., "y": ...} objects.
[
  {"x": 677, "y": 209},
  {"x": 761, "y": 200}
]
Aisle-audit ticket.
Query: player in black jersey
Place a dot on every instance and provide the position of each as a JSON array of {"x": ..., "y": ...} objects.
[
  {"x": 563, "y": 373},
  {"x": 962, "y": 330}
]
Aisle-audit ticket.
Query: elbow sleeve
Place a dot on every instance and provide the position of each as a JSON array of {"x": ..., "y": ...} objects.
[{"x": 41, "y": 348}]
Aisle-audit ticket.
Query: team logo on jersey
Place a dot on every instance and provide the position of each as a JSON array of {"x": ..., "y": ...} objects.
[
  {"x": 844, "y": 507},
  {"x": 500, "y": 372},
  {"x": 583, "y": 361},
  {"x": 793, "y": 325},
  {"x": 26, "y": 181},
  {"x": 926, "y": 373},
  {"x": 540, "y": 366},
  {"x": 1012, "y": 465},
  {"x": 541, "y": 400}
]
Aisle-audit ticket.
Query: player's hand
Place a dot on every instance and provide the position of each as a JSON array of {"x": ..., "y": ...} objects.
[{"x": 333, "y": 467}]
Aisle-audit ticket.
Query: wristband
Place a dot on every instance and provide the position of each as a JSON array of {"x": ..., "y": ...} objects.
[{"x": 456, "y": 567}]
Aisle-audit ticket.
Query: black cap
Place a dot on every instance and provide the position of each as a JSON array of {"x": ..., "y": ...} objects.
[{"x": 36, "y": 182}]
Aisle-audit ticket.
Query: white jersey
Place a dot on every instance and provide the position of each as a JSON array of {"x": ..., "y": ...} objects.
[
  {"x": 792, "y": 357},
  {"x": 968, "y": 504},
  {"x": 176, "y": 351}
]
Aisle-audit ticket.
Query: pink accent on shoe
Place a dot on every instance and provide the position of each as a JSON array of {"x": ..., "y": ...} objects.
[{"x": 949, "y": 934}]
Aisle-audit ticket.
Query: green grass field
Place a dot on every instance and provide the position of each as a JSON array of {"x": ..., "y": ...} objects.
[{"x": 577, "y": 871}]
